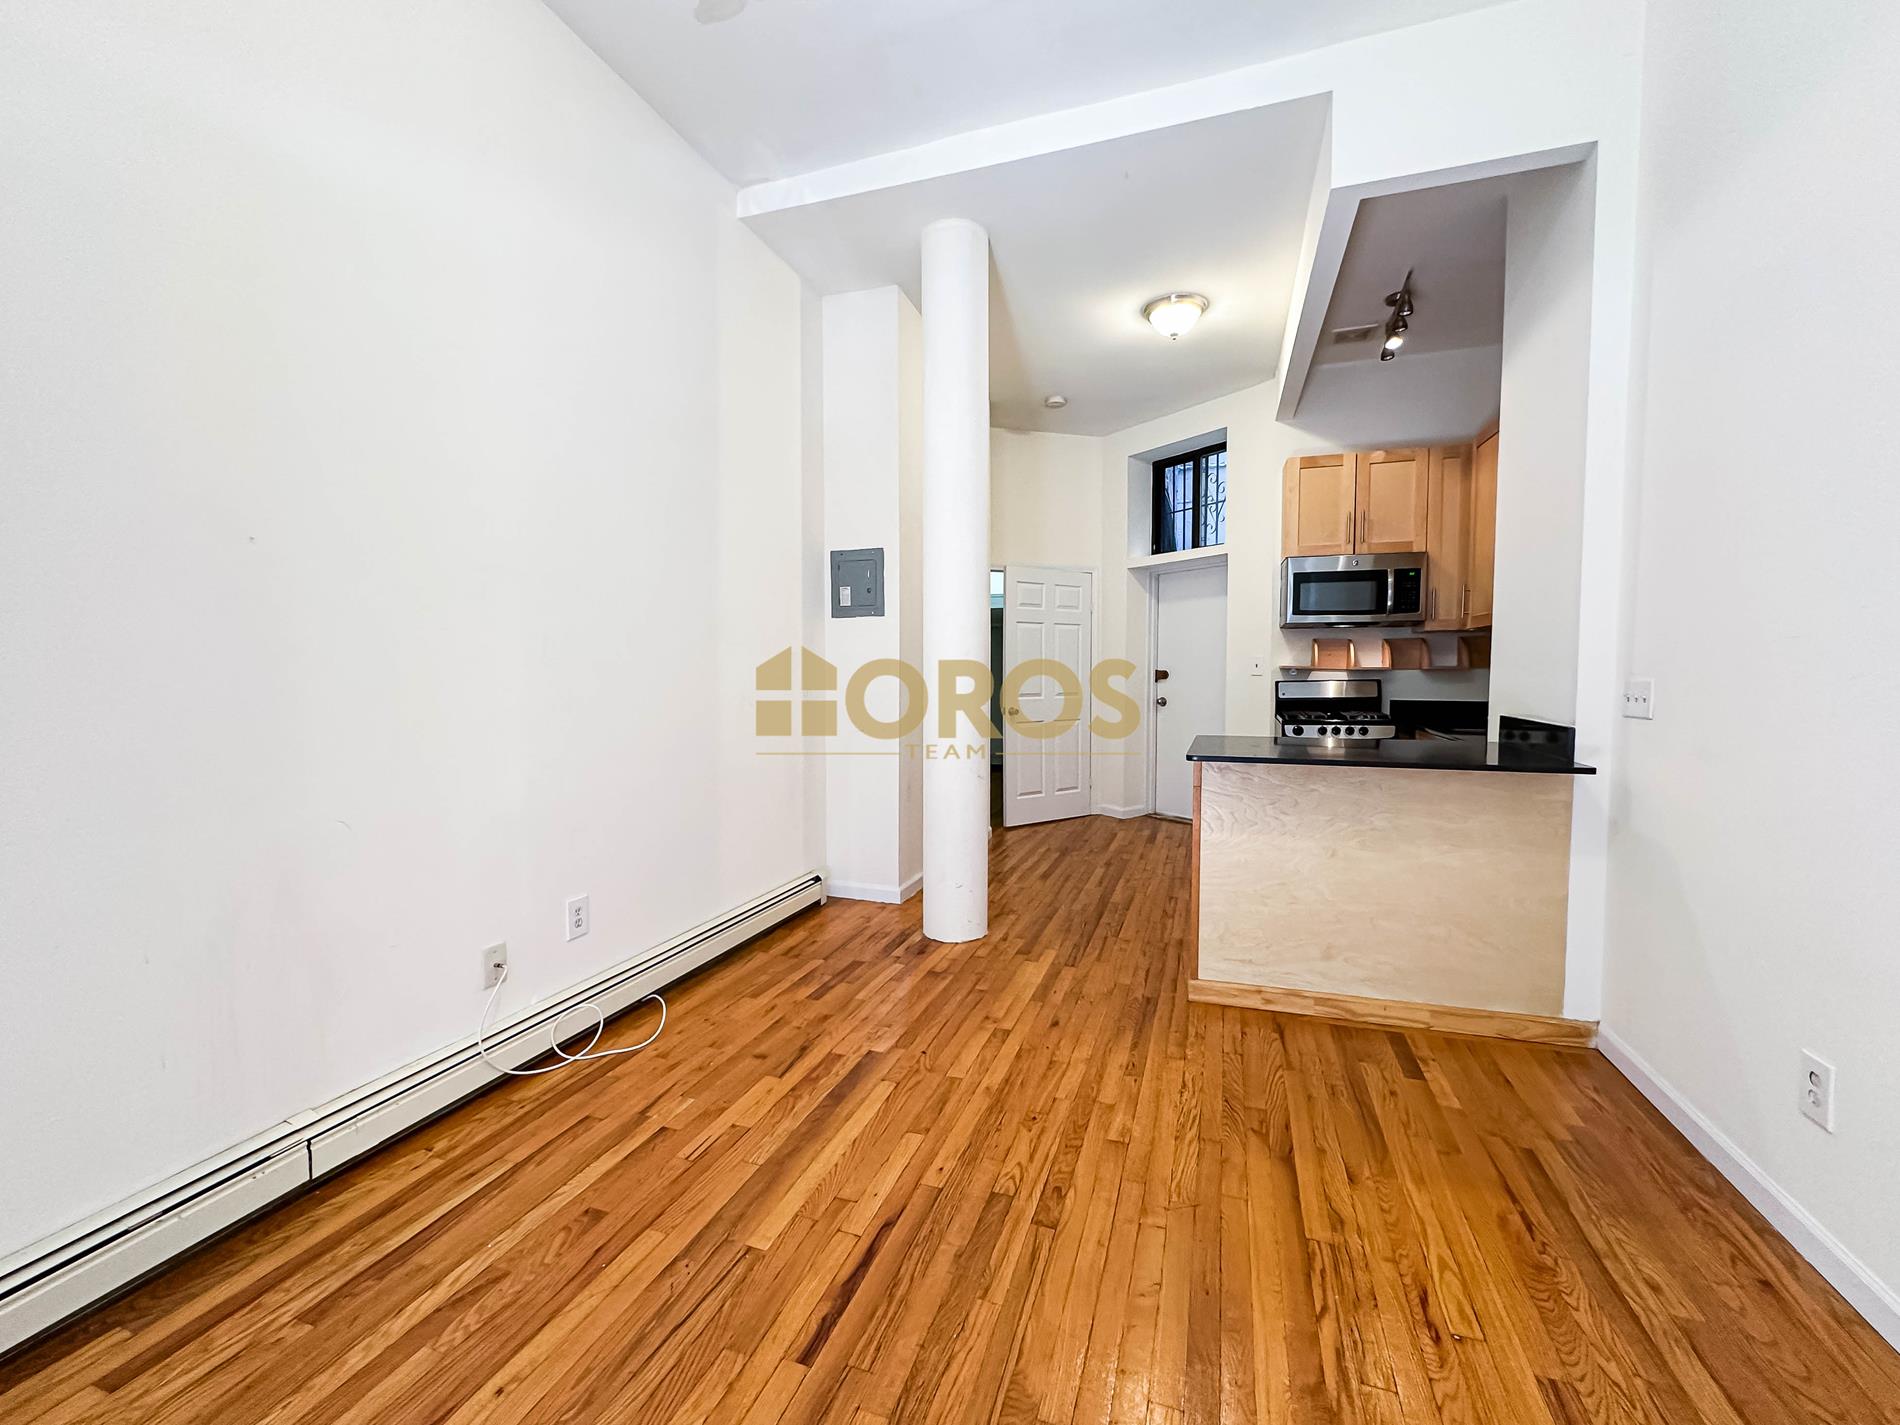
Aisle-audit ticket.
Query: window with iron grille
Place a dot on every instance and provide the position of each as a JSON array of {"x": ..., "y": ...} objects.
[{"x": 1190, "y": 500}]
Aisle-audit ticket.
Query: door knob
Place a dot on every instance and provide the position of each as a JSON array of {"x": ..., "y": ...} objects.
[
  {"x": 1012, "y": 712},
  {"x": 1161, "y": 702}
]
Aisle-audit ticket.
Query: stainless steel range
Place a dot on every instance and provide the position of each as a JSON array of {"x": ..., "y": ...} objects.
[{"x": 1330, "y": 712}]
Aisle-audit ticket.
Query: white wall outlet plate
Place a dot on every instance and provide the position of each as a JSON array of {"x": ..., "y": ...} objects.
[
  {"x": 577, "y": 917},
  {"x": 494, "y": 965},
  {"x": 1817, "y": 1090},
  {"x": 1639, "y": 698}
]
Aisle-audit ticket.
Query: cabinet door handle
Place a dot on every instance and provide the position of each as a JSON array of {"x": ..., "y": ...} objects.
[
  {"x": 1434, "y": 613},
  {"x": 1365, "y": 529},
  {"x": 1347, "y": 541},
  {"x": 1464, "y": 600}
]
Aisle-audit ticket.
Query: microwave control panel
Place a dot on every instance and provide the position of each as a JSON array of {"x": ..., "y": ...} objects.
[{"x": 1408, "y": 590}]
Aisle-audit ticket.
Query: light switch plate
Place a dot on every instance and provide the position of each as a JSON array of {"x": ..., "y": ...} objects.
[
  {"x": 1639, "y": 698},
  {"x": 1258, "y": 667}
]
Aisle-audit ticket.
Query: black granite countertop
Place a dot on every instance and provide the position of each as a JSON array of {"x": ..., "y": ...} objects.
[{"x": 1514, "y": 755}]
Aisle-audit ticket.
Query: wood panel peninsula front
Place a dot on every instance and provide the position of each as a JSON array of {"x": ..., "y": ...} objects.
[{"x": 1411, "y": 883}]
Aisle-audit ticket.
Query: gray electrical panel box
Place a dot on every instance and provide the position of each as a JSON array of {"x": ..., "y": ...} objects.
[{"x": 857, "y": 583}]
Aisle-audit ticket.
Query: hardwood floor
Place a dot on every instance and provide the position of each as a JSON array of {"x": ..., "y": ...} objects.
[{"x": 870, "y": 1180}]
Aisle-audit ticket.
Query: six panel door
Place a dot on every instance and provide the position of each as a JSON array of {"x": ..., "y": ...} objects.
[{"x": 1047, "y": 615}]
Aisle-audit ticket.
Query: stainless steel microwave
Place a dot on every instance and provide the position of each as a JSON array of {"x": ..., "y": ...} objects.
[{"x": 1352, "y": 590}]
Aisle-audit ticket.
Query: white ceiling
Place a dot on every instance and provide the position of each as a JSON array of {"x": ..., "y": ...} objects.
[
  {"x": 1452, "y": 240},
  {"x": 1080, "y": 239},
  {"x": 788, "y": 86}
]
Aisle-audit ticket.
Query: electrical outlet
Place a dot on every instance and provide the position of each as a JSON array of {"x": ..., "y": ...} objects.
[
  {"x": 1817, "y": 1090},
  {"x": 494, "y": 965},
  {"x": 577, "y": 917},
  {"x": 1639, "y": 698}
]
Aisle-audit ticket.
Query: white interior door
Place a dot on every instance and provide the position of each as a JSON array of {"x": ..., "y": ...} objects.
[
  {"x": 1047, "y": 613},
  {"x": 1191, "y": 650}
]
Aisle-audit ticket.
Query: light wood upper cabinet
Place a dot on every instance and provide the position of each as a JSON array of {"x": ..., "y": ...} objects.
[
  {"x": 1443, "y": 501},
  {"x": 1393, "y": 500},
  {"x": 1481, "y": 560},
  {"x": 1317, "y": 505},
  {"x": 1447, "y": 535}
]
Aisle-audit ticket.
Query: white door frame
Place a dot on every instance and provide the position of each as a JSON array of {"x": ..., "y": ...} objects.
[
  {"x": 1151, "y": 586},
  {"x": 1086, "y": 739}
]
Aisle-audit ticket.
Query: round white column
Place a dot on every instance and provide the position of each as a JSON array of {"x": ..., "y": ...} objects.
[{"x": 956, "y": 557}]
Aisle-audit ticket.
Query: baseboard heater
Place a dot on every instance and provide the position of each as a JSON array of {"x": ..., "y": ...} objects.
[{"x": 60, "y": 1276}]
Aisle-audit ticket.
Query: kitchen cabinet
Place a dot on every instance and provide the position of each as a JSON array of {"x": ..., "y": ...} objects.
[
  {"x": 1481, "y": 559},
  {"x": 1447, "y": 536},
  {"x": 1390, "y": 492},
  {"x": 1317, "y": 505},
  {"x": 1442, "y": 500},
  {"x": 1368, "y": 502}
]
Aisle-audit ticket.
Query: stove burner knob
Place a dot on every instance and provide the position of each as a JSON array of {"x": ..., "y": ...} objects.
[
  {"x": 1332, "y": 732},
  {"x": 1360, "y": 730},
  {"x": 1293, "y": 729}
]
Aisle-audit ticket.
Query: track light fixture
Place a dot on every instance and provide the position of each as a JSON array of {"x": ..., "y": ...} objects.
[{"x": 1395, "y": 325}]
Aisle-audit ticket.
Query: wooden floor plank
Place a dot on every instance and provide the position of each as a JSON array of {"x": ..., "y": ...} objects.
[{"x": 871, "y": 1180}]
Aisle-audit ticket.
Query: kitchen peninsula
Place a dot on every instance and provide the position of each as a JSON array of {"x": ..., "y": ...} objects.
[{"x": 1408, "y": 882}]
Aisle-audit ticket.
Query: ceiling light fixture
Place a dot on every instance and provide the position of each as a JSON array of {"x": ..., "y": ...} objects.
[
  {"x": 1395, "y": 325},
  {"x": 1055, "y": 403},
  {"x": 1175, "y": 314}
]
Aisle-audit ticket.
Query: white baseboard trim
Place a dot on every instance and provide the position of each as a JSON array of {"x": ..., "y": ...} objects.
[
  {"x": 1846, "y": 1273},
  {"x": 59, "y": 1276},
  {"x": 1121, "y": 813},
  {"x": 868, "y": 891}
]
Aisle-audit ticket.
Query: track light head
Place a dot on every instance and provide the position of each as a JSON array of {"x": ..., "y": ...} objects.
[{"x": 1395, "y": 325}]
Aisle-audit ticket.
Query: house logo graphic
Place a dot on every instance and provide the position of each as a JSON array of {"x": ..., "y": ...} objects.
[{"x": 817, "y": 716}]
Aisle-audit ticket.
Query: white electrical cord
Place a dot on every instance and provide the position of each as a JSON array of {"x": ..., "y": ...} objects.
[{"x": 554, "y": 1039}]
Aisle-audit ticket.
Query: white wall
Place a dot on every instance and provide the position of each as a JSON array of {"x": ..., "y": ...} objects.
[
  {"x": 1749, "y": 906},
  {"x": 873, "y": 456},
  {"x": 402, "y": 462},
  {"x": 1543, "y": 414},
  {"x": 1045, "y": 499}
]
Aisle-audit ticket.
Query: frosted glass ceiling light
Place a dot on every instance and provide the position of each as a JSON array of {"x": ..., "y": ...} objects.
[{"x": 1175, "y": 314}]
